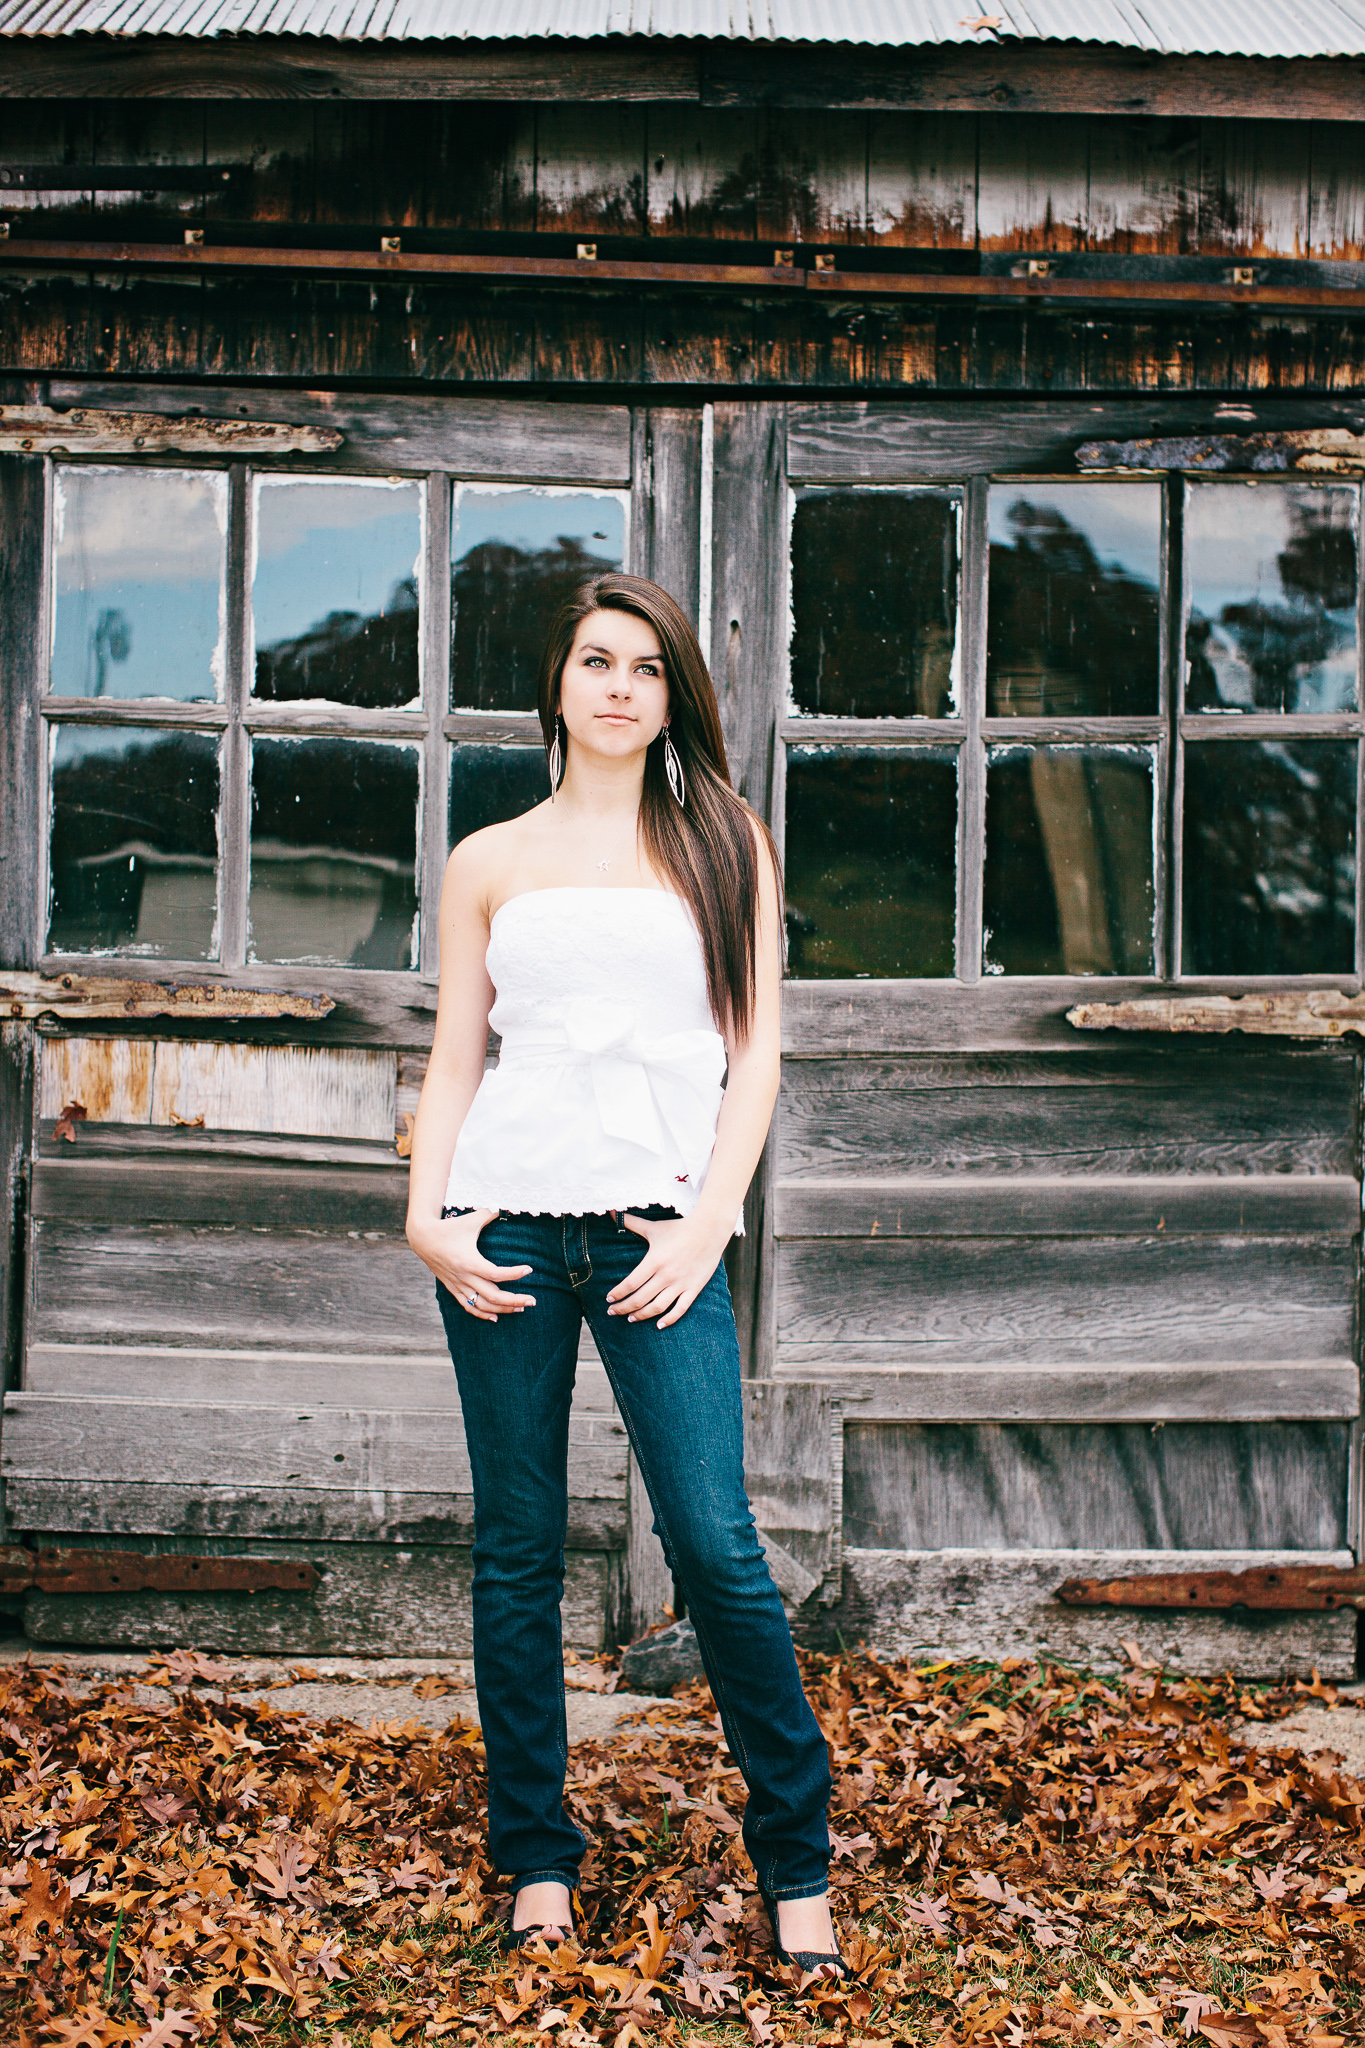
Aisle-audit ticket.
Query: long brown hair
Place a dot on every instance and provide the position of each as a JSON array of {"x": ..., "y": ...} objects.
[{"x": 706, "y": 847}]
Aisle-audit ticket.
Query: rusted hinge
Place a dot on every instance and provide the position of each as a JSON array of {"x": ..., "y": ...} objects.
[
  {"x": 1264, "y": 1589},
  {"x": 42, "y": 430},
  {"x": 1303, "y": 1013},
  {"x": 74, "y": 998},
  {"x": 127, "y": 1571},
  {"x": 1330, "y": 451}
]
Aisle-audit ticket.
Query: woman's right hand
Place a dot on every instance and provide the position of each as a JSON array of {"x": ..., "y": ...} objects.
[{"x": 450, "y": 1246}]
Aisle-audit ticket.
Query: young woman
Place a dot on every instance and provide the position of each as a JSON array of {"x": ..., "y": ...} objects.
[{"x": 625, "y": 939}]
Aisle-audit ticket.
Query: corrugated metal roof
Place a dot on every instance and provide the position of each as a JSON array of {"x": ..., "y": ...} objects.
[{"x": 1250, "y": 28}]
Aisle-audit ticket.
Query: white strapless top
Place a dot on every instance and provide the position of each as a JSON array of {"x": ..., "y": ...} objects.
[{"x": 608, "y": 1084}]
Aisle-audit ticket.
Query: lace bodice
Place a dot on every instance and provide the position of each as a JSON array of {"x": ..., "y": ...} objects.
[{"x": 608, "y": 1083}]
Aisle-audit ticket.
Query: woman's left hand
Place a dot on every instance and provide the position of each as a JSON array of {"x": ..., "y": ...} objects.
[{"x": 683, "y": 1254}]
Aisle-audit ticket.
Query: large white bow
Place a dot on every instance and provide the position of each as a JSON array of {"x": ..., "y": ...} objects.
[{"x": 623, "y": 1065}]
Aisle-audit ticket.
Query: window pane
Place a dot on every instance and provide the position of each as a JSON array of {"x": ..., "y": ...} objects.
[
  {"x": 138, "y": 583},
  {"x": 334, "y": 591},
  {"x": 1272, "y": 576},
  {"x": 871, "y": 868},
  {"x": 1269, "y": 874},
  {"x": 488, "y": 785},
  {"x": 874, "y": 596},
  {"x": 333, "y": 852},
  {"x": 134, "y": 842},
  {"x": 1073, "y": 617},
  {"x": 1068, "y": 884},
  {"x": 515, "y": 557}
]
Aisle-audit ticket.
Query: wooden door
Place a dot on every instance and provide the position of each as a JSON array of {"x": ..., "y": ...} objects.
[{"x": 1032, "y": 1302}]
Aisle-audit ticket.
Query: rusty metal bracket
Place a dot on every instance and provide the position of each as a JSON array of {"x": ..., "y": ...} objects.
[
  {"x": 76, "y": 998},
  {"x": 1265, "y": 1589},
  {"x": 42, "y": 430},
  {"x": 1299, "y": 1013},
  {"x": 128, "y": 1571}
]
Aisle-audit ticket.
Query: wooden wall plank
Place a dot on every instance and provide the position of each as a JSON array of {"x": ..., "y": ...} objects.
[
  {"x": 590, "y": 170},
  {"x": 1254, "y": 198},
  {"x": 353, "y": 1199},
  {"x": 475, "y": 173},
  {"x": 264, "y": 157},
  {"x": 1091, "y": 1299},
  {"x": 972, "y": 1603},
  {"x": 1033, "y": 183},
  {"x": 1111, "y": 1205},
  {"x": 56, "y": 139},
  {"x": 666, "y": 503},
  {"x": 418, "y": 1596},
  {"x": 793, "y": 1469},
  {"x": 702, "y": 172},
  {"x": 371, "y": 163},
  {"x": 1337, "y": 202},
  {"x": 921, "y": 180},
  {"x": 533, "y": 440},
  {"x": 22, "y": 615},
  {"x": 111, "y": 1077},
  {"x": 1095, "y": 1486},
  {"x": 1180, "y": 1110},
  {"x": 159, "y": 145},
  {"x": 1144, "y": 187},
  {"x": 812, "y": 181},
  {"x": 142, "y": 324},
  {"x": 328, "y": 1092},
  {"x": 190, "y": 1443},
  {"x": 16, "y": 1123},
  {"x": 1295, "y": 1390},
  {"x": 45, "y": 321}
]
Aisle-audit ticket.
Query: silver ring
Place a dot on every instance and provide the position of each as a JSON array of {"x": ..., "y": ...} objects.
[{"x": 471, "y": 1299}]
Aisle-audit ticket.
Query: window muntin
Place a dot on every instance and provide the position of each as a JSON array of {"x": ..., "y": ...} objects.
[
  {"x": 1271, "y": 574},
  {"x": 875, "y": 603},
  {"x": 516, "y": 554},
  {"x": 1070, "y": 861},
  {"x": 335, "y": 588},
  {"x": 138, "y": 600},
  {"x": 1074, "y": 606}
]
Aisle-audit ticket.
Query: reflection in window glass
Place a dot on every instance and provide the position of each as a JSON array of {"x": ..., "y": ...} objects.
[
  {"x": 515, "y": 557},
  {"x": 134, "y": 842},
  {"x": 138, "y": 583},
  {"x": 1272, "y": 576},
  {"x": 874, "y": 598},
  {"x": 334, "y": 591},
  {"x": 489, "y": 784},
  {"x": 870, "y": 864},
  {"x": 1073, "y": 618},
  {"x": 333, "y": 852},
  {"x": 1269, "y": 858},
  {"x": 1068, "y": 884}
]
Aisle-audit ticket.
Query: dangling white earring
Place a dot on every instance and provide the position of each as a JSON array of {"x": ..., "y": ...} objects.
[
  {"x": 673, "y": 767},
  {"x": 556, "y": 760}
]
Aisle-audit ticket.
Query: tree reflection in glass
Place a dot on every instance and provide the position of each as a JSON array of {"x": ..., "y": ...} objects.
[
  {"x": 516, "y": 555},
  {"x": 138, "y": 583},
  {"x": 490, "y": 784},
  {"x": 1269, "y": 857},
  {"x": 134, "y": 842},
  {"x": 334, "y": 591},
  {"x": 1271, "y": 570},
  {"x": 874, "y": 599},
  {"x": 333, "y": 852},
  {"x": 871, "y": 860},
  {"x": 1074, "y": 611},
  {"x": 1068, "y": 883}
]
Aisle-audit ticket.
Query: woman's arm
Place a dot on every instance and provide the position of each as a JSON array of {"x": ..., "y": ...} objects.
[
  {"x": 683, "y": 1255},
  {"x": 454, "y": 1071}
]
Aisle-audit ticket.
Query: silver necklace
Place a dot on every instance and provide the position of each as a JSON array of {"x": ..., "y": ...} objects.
[{"x": 602, "y": 866}]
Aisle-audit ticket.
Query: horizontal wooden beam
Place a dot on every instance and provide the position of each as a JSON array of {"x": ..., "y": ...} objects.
[
  {"x": 76, "y": 998},
  {"x": 1265, "y": 1589},
  {"x": 1074, "y": 1205},
  {"x": 1301, "y": 1013},
  {"x": 126, "y": 1571},
  {"x": 1259, "y": 1390},
  {"x": 1333, "y": 451},
  {"x": 77, "y": 1188},
  {"x": 1007, "y": 77},
  {"x": 43, "y": 430}
]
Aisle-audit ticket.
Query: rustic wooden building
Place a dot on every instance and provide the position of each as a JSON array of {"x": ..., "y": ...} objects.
[{"x": 993, "y": 391}]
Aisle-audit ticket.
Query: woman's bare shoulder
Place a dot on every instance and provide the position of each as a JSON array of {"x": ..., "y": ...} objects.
[{"x": 479, "y": 866}]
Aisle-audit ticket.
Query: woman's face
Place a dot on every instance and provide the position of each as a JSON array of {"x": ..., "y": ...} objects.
[{"x": 613, "y": 694}]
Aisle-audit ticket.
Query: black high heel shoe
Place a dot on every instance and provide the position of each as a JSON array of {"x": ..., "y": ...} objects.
[{"x": 804, "y": 1958}]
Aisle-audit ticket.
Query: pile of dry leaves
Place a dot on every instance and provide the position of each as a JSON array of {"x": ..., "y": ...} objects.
[{"x": 1021, "y": 1855}]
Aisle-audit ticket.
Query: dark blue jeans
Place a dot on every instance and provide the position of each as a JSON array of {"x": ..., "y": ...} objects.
[{"x": 678, "y": 1391}]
